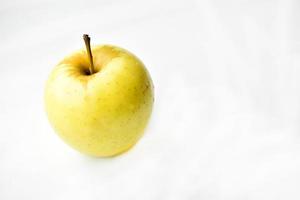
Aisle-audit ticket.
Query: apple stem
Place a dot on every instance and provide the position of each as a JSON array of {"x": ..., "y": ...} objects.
[{"x": 87, "y": 40}]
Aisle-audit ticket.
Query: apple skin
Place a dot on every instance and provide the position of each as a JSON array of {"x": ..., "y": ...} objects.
[{"x": 103, "y": 114}]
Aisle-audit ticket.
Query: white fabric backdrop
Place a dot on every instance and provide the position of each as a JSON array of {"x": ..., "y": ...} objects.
[{"x": 226, "y": 118}]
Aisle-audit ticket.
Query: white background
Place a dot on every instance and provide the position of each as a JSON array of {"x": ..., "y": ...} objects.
[{"x": 226, "y": 120}]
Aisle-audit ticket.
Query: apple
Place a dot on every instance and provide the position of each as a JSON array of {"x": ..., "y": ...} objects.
[{"x": 99, "y": 101}]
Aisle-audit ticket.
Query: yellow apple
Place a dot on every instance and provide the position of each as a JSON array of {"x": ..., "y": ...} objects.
[{"x": 102, "y": 112}]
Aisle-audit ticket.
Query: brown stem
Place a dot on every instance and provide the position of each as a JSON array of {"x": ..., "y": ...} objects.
[{"x": 87, "y": 40}]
